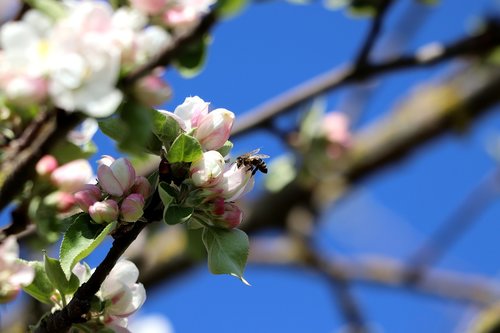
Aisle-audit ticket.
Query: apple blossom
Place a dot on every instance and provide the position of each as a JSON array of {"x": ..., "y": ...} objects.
[
  {"x": 104, "y": 211},
  {"x": 63, "y": 201},
  {"x": 71, "y": 176},
  {"x": 214, "y": 129},
  {"x": 150, "y": 7},
  {"x": 191, "y": 111},
  {"x": 227, "y": 214},
  {"x": 141, "y": 186},
  {"x": 152, "y": 90},
  {"x": 122, "y": 295},
  {"x": 208, "y": 170},
  {"x": 132, "y": 207},
  {"x": 235, "y": 183},
  {"x": 87, "y": 196},
  {"x": 13, "y": 273},
  {"x": 117, "y": 178},
  {"x": 335, "y": 128},
  {"x": 46, "y": 165}
]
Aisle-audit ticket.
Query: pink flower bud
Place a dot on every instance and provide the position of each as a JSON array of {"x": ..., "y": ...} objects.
[
  {"x": 214, "y": 129},
  {"x": 65, "y": 201},
  {"x": 192, "y": 111},
  {"x": 336, "y": 130},
  {"x": 117, "y": 178},
  {"x": 180, "y": 16},
  {"x": 72, "y": 176},
  {"x": 87, "y": 197},
  {"x": 104, "y": 211},
  {"x": 46, "y": 165},
  {"x": 152, "y": 90},
  {"x": 151, "y": 7},
  {"x": 235, "y": 183},
  {"x": 131, "y": 209},
  {"x": 141, "y": 186},
  {"x": 229, "y": 217},
  {"x": 208, "y": 170}
]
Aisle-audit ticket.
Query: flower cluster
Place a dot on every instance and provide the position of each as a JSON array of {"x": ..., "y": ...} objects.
[
  {"x": 216, "y": 183},
  {"x": 174, "y": 14},
  {"x": 118, "y": 298},
  {"x": 13, "y": 273},
  {"x": 74, "y": 59},
  {"x": 119, "y": 193},
  {"x": 66, "y": 179},
  {"x": 335, "y": 128}
]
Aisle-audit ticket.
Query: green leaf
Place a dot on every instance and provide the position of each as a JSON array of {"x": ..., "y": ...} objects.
[
  {"x": 177, "y": 214},
  {"x": 41, "y": 288},
  {"x": 132, "y": 129},
  {"x": 56, "y": 274},
  {"x": 191, "y": 59},
  {"x": 81, "y": 238},
  {"x": 226, "y": 148},
  {"x": 165, "y": 196},
  {"x": 184, "y": 149},
  {"x": 228, "y": 8},
  {"x": 165, "y": 128},
  {"x": 65, "y": 151},
  {"x": 51, "y": 8},
  {"x": 227, "y": 251}
]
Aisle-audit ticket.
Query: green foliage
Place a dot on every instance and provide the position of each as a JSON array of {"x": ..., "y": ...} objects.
[
  {"x": 81, "y": 238},
  {"x": 41, "y": 288},
  {"x": 165, "y": 128},
  {"x": 132, "y": 129},
  {"x": 227, "y": 251},
  {"x": 65, "y": 151},
  {"x": 51, "y": 8},
  {"x": 226, "y": 148},
  {"x": 176, "y": 214},
  {"x": 48, "y": 226},
  {"x": 228, "y": 8},
  {"x": 191, "y": 59},
  {"x": 58, "y": 278},
  {"x": 166, "y": 197},
  {"x": 184, "y": 149}
]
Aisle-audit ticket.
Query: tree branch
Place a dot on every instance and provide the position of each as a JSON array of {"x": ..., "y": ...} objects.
[{"x": 259, "y": 116}]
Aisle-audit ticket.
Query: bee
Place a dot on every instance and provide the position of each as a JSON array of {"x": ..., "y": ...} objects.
[{"x": 252, "y": 161}]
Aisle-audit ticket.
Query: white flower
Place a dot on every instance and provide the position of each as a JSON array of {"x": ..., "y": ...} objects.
[
  {"x": 208, "y": 170},
  {"x": 13, "y": 273},
  {"x": 121, "y": 292}
]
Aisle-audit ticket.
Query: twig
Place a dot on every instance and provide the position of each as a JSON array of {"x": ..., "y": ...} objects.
[
  {"x": 364, "y": 53},
  {"x": 454, "y": 227},
  {"x": 475, "y": 45}
]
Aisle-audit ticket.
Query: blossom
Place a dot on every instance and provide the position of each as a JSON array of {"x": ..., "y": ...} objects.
[
  {"x": 214, "y": 129},
  {"x": 131, "y": 208},
  {"x": 13, "y": 273},
  {"x": 235, "y": 183},
  {"x": 46, "y": 165},
  {"x": 123, "y": 296},
  {"x": 191, "y": 111},
  {"x": 186, "y": 13},
  {"x": 104, "y": 211},
  {"x": 208, "y": 170},
  {"x": 87, "y": 196},
  {"x": 72, "y": 176},
  {"x": 152, "y": 90},
  {"x": 227, "y": 214},
  {"x": 335, "y": 128},
  {"x": 141, "y": 186},
  {"x": 117, "y": 178}
]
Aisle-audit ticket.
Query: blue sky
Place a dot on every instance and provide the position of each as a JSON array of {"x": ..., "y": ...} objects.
[{"x": 271, "y": 47}]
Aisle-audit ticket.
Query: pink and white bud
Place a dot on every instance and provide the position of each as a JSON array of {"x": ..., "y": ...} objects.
[
  {"x": 152, "y": 90},
  {"x": 235, "y": 183},
  {"x": 151, "y": 7},
  {"x": 141, "y": 186},
  {"x": 125, "y": 296},
  {"x": 132, "y": 208},
  {"x": 72, "y": 176},
  {"x": 336, "y": 127},
  {"x": 14, "y": 273},
  {"x": 117, "y": 178},
  {"x": 214, "y": 129},
  {"x": 230, "y": 217},
  {"x": 208, "y": 170},
  {"x": 46, "y": 165},
  {"x": 180, "y": 16},
  {"x": 104, "y": 211},
  {"x": 86, "y": 197},
  {"x": 192, "y": 111}
]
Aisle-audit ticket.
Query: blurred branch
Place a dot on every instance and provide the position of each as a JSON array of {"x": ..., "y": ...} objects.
[
  {"x": 366, "y": 49},
  {"x": 454, "y": 227},
  {"x": 18, "y": 165},
  {"x": 477, "y": 45}
]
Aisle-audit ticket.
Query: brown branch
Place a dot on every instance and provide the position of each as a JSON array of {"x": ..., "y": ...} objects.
[
  {"x": 19, "y": 164},
  {"x": 61, "y": 320},
  {"x": 259, "y": 116}
]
